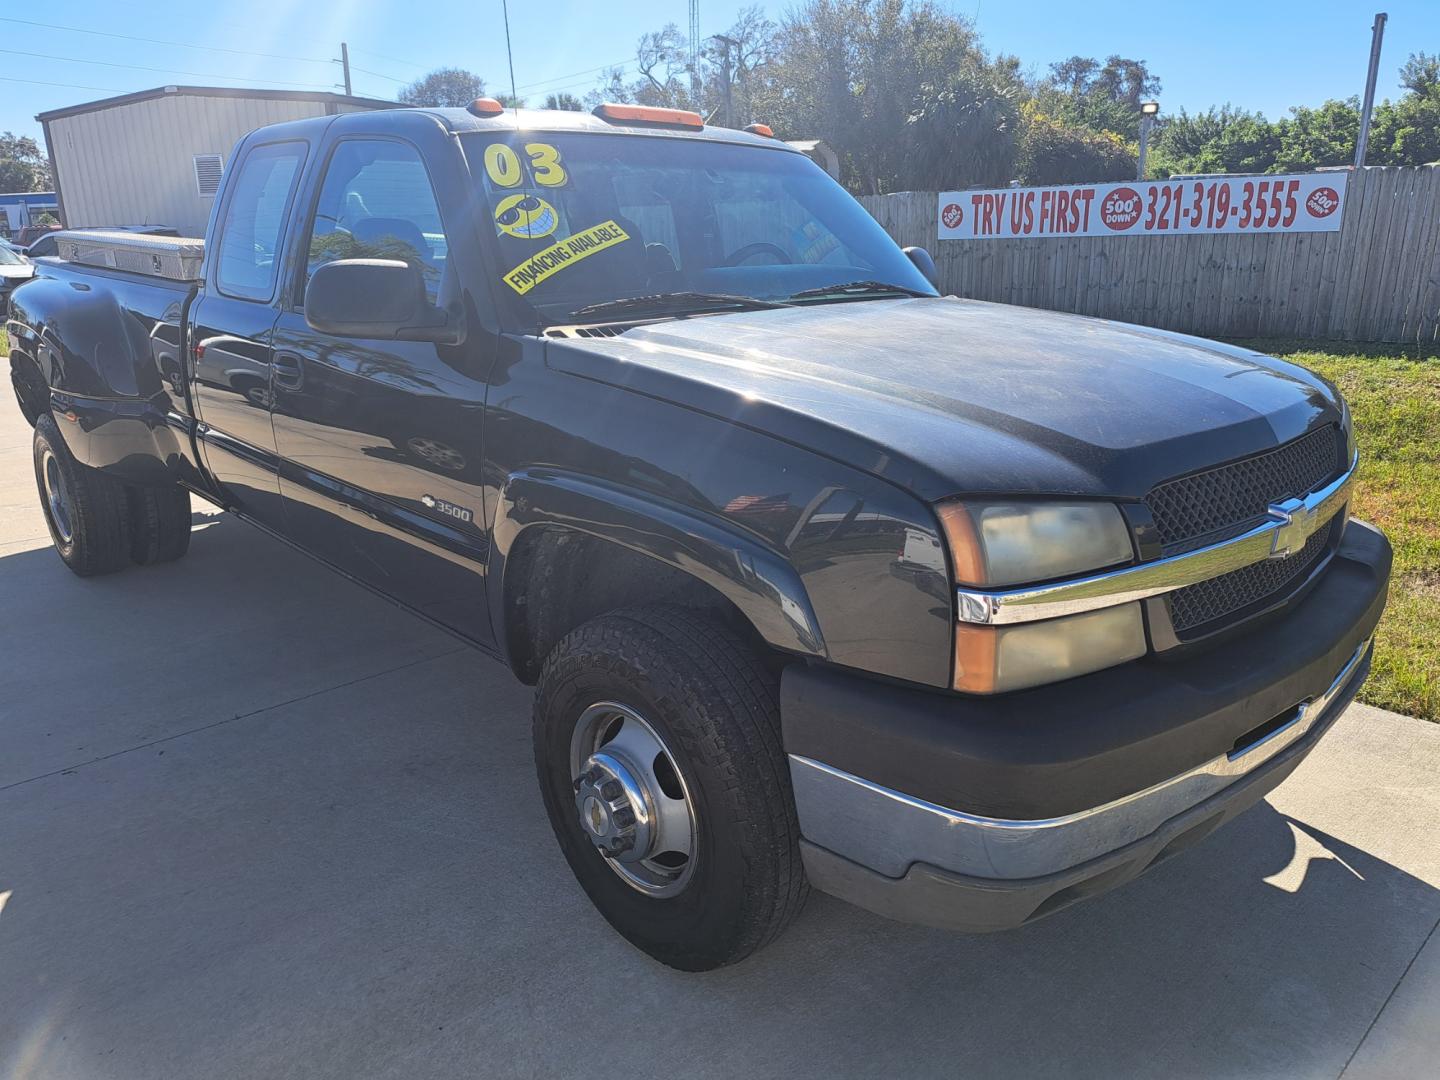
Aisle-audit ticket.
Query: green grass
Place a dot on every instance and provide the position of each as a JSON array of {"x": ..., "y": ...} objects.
[{"x": 1394, "y": 394}]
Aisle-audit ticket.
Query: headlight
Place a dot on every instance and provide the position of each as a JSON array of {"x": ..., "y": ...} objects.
[
  {"x": 993, "y": 659},
  {"x": 999, "y": 544},
  {"x": 1020, "y": 543}
]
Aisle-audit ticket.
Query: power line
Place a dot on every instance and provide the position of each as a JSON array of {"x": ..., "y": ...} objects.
[
  {"x": 586, "y": 71},
  {"x": 378, "y": 74},
  {"x": 160, "y": 71},
  {"x": 393, "y": 59},
  {"x": 66, "y": 85},
  {"x": 566, "y": 86},
  {"x": 159, "y": 41}
]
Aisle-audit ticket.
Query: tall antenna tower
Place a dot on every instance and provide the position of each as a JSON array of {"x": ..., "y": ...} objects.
[{"x": 695, "y": 47}]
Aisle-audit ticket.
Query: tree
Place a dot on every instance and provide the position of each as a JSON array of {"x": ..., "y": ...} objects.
[
  {"x": 1051, "y": 151},
  {"x": 1103, "y": 97},
  {"x": 444, "y": 87},
  {"x": 568, "y": 102},
  {"x": 737, "y": 62},
  {"x": 1421, "y": 74},
  {"x": 900, "y": 88},
  {"x": 1315, "y": 137},
  {"x": 23, "y": 165},
  {"x": 728, "y": 74},
  {"x": 1223, "y": 140},
  {"x": 1408, "y": 132}
]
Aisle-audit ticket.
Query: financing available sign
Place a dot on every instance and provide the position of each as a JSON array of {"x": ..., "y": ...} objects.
[{"x": 1244, "y": 204}]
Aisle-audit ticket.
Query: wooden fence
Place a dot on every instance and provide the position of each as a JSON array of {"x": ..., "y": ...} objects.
[{"x": 1376, "y": 279}]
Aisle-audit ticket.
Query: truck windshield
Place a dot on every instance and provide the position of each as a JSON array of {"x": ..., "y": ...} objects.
[{"x": 582, "y": 221}]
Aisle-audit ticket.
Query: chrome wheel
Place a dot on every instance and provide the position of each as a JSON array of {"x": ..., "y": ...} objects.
[
  {"x": 57, "y": 496},
  {"x": 631, "y": 799}
]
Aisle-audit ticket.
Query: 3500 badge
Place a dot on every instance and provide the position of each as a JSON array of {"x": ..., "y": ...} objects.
[{"x": 459, "y": 513}]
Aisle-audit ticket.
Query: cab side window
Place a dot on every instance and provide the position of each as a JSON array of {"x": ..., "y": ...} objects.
[
  {"x": 376, "y": 202},
  {"x": 250, "y": 234}
]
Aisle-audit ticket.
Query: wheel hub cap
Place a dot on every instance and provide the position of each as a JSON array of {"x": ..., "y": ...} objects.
[
  {"x": 631, "y": 800},
  {"x": 613, "y": 810},
  {"x": 57, "y": 496}
]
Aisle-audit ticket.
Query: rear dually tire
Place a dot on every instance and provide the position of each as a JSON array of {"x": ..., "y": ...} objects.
[{"x": 87, "y": 512}]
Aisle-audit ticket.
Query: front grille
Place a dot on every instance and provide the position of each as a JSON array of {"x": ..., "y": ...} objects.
[
  {"x": 1195, "y": 608},
  {"x": 1210, "y": 506}
]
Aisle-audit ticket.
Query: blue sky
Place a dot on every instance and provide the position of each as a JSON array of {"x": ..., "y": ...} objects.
[{"x": 1256, "y": 54}]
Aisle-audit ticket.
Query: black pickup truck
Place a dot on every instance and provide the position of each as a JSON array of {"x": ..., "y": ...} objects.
[{"x": 959, "y": 611}]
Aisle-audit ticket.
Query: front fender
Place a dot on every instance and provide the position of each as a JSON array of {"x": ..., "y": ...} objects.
[{"x": 759, "y": 581}]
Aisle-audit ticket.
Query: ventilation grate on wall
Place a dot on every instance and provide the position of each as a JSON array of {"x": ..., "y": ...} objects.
[{"x": 207, "y": 174}]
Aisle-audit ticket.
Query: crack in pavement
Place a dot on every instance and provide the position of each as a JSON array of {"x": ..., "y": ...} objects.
[
  {"x": 1388, "y": 998},
  {"x": 231, "y": 719}
]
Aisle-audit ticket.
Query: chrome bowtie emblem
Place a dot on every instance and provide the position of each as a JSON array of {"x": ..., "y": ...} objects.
[{"x": 1297, "y": 522}]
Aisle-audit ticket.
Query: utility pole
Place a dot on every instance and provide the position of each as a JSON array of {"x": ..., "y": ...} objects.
[
  {"x": 1377, "y": 35},
  {"x": 726, "y": 80},
  {"x": 345, "y": 65},
  {"x": 695, "y": 48}
]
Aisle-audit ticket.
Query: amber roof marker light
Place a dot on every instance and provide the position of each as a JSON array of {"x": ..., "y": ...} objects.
[
  {"x": 650, "y": 116},
  {"x": 485, "y": 106},
  {"x": 760, "y": 129}
]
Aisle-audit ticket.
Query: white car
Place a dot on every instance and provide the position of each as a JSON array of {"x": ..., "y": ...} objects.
[{"x": 14, "y": 268}]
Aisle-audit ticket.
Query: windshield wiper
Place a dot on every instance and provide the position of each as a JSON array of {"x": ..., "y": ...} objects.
[
  {"x": 674, "y": 301},
  {"x": 858, "y": 288}
]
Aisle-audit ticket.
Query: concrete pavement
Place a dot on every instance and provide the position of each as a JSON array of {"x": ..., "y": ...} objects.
[{"x": 256, "y": 822}]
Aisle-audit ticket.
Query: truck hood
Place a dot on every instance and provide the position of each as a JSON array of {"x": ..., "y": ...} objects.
[{"x": 949, "y": 396}]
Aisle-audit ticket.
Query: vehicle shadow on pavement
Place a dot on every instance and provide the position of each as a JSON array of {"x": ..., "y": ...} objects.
[{"x": 293, "y": 830}]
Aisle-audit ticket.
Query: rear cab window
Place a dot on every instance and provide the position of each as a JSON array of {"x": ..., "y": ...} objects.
[{"x": 247, "y": 260}]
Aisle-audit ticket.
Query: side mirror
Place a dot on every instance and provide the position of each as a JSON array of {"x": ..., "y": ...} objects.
[
  {"x": 375, "y": 298},
  {"x": 924, "y": 263}
]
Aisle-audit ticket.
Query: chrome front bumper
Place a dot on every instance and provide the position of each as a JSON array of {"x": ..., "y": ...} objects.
[{"x": 861, "y": 837}]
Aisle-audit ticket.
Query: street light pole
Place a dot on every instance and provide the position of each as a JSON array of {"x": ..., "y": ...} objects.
[
  {"x": 1148, "y": 109},
  {"x": 1362, "y": 142}
]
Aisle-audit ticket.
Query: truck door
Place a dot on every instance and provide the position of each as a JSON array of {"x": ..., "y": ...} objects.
[
  {"x": 380, "y": 441},
  {"x": 231, "y": 326}
]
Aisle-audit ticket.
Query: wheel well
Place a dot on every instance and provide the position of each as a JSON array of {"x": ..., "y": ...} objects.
[
  {"x": 31, "y": 391},
  {"x": 557, "y": 579}
]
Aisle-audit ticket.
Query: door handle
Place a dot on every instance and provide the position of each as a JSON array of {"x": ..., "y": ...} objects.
[{"x": 287, "y": 371}]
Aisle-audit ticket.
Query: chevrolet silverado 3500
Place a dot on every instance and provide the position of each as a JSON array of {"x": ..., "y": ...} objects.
[{"x": 959, "y": 611}]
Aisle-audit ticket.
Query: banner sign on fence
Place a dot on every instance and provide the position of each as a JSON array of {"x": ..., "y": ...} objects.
[{"x": 1242, "y": 204}]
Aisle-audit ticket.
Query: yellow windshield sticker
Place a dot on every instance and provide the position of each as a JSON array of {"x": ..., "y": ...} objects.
[
  {"x": 504, "y": 169},
  {"x": 527, "y": 217},
  {"x": 567, "y": 252},
  {"x": 545, "y": 164},
  {"x": 502, "y": 166}
]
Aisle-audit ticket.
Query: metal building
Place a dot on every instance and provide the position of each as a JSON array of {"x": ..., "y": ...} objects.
[
  {"x": 155, "y": 157},
  {"x": 21, "y": 208}
]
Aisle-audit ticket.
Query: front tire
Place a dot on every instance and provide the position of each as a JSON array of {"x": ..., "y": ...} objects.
[
  {"x": 692, "y": 855},
  {"x": 86, "y": 510}
]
